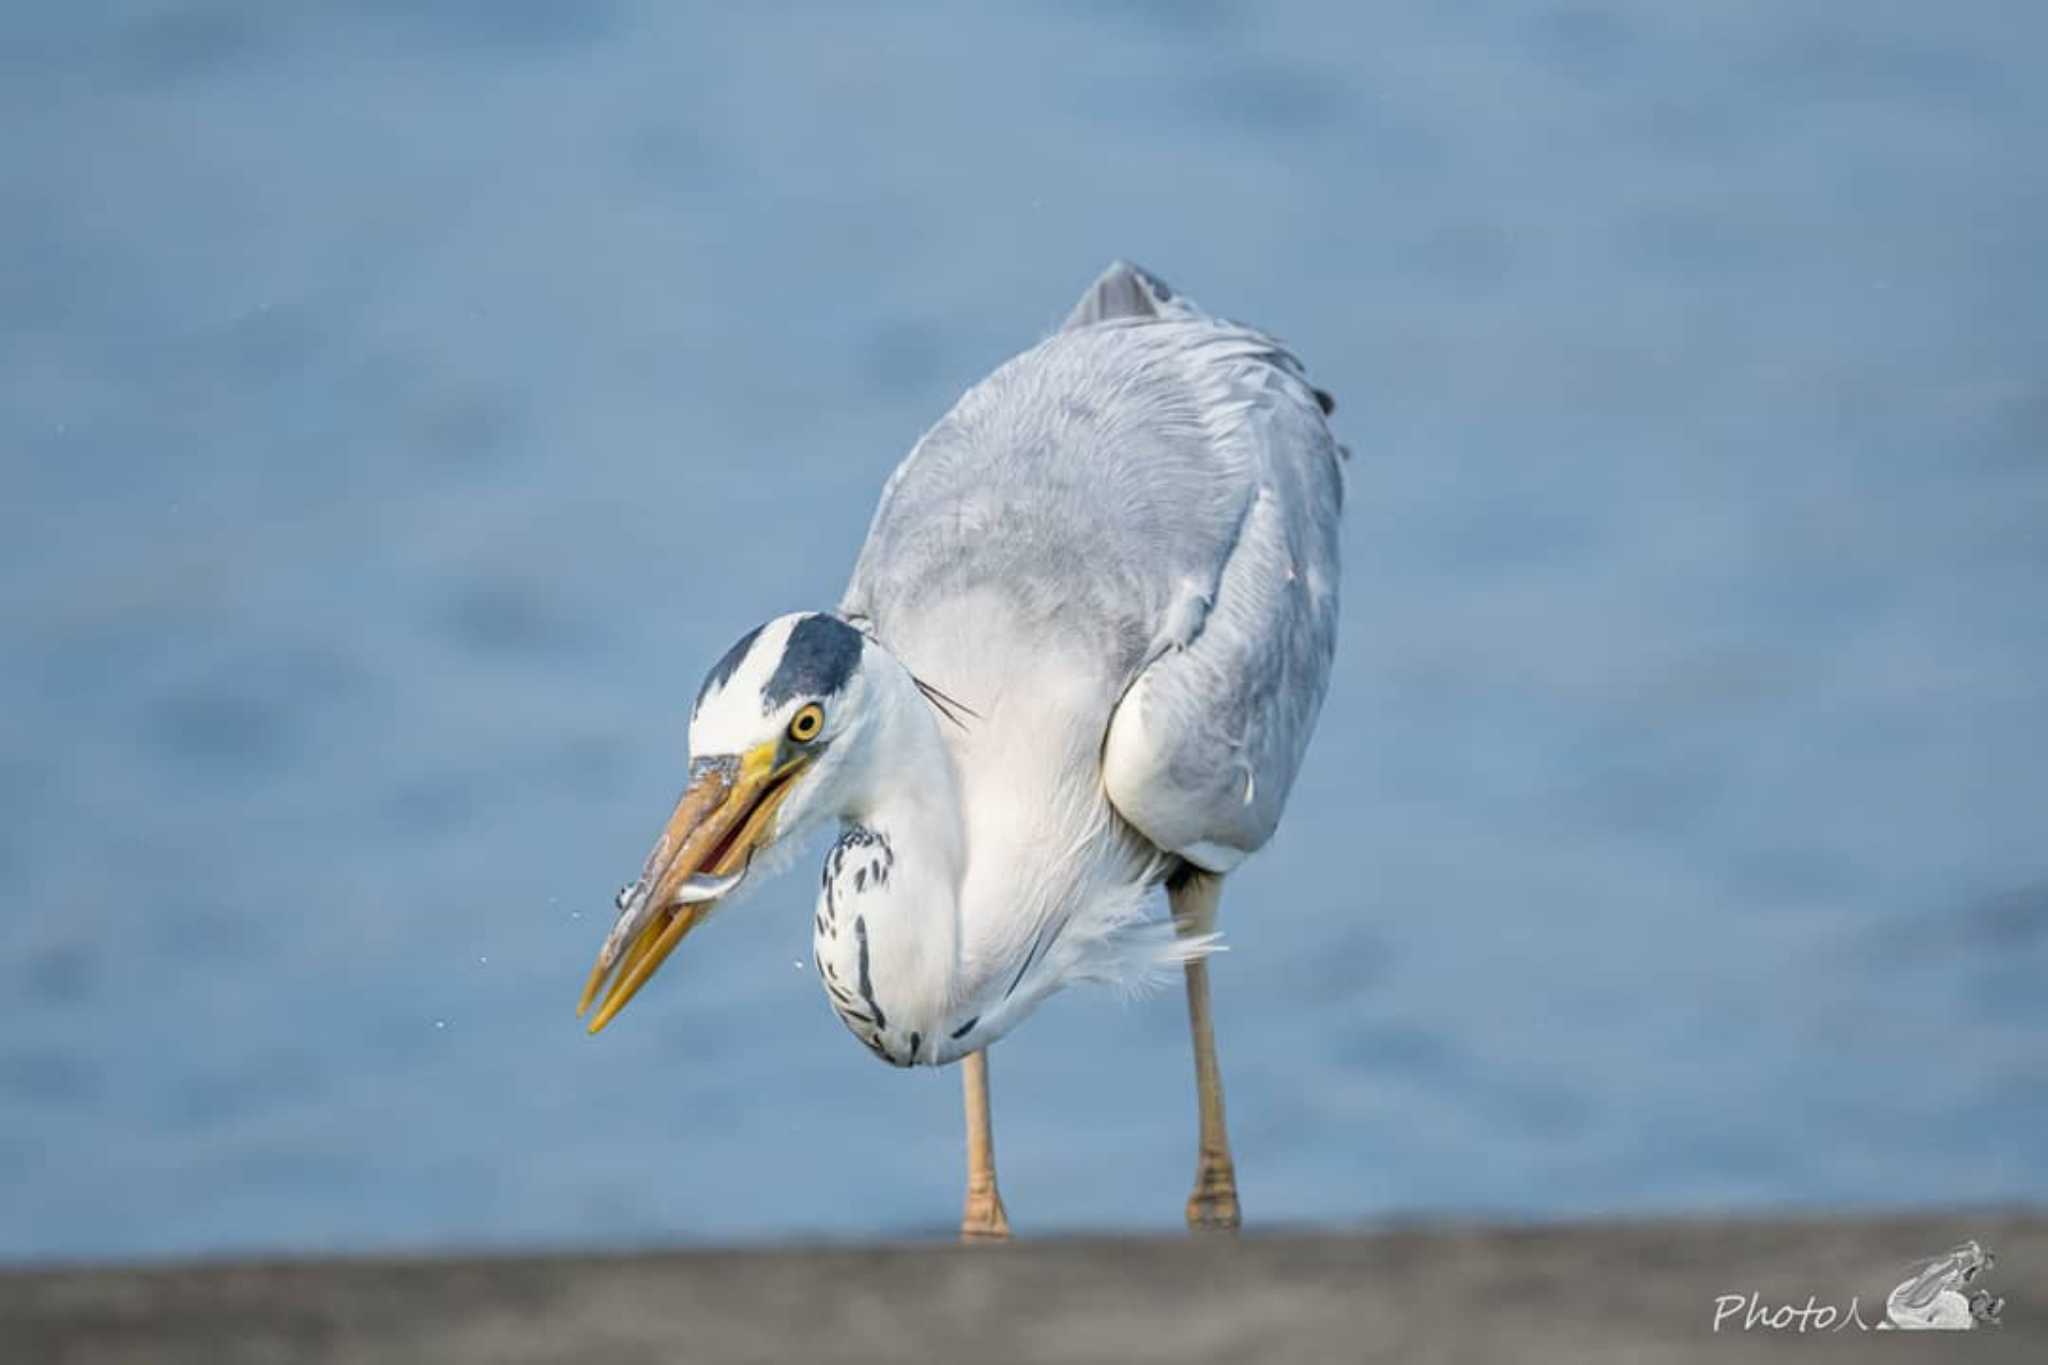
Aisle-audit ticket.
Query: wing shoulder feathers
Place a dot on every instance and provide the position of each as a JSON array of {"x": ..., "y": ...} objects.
[{"x": 1128, "y": 291}]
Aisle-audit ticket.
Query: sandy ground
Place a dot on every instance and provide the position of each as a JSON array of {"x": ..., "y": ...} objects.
[{"x": 1628, "y": 1292}]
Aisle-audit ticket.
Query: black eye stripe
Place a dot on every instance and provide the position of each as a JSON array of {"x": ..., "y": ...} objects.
[{"x": 817, "y": 660}]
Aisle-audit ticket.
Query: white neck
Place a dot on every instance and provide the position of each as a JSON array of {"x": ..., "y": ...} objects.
[
  {"x": 935, "y": 932},
  {"x": 887, "y": 930}
]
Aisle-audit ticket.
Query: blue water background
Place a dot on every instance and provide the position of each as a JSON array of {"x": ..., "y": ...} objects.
[{"x": 402, "y": 404}]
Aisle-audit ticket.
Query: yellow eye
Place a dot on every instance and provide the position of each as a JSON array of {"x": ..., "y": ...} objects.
[{"x": 804, "y": 726}]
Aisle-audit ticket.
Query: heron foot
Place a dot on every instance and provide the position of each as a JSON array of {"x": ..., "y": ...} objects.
[
  {"x": 984, "y": 1219},
  {"x": 1213, "y": 1206}
]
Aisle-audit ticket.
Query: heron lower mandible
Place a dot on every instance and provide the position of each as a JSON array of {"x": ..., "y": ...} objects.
[{"x": 1080, "y": 657}]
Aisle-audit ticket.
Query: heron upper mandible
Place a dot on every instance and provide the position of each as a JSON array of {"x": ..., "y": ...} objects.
[{"x": 1080, "y": 657}]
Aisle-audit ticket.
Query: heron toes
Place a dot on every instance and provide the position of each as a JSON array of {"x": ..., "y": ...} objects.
[
  {"x": 984, "y": 1219},
  {"x": 1213, "y": 1205}
]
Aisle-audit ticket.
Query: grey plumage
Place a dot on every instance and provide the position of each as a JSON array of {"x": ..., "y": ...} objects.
[{"x": 1151, "y": 496}]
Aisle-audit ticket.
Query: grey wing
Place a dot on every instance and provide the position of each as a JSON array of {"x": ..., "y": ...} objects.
[
  {"x": 1203, "y": 748},
  {"x": 1204, "y": 745}
]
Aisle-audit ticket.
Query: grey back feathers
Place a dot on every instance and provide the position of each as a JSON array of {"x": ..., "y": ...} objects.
[
  {"x": 1154, "y": 492},
  {"x": 1128, "y": 291}
]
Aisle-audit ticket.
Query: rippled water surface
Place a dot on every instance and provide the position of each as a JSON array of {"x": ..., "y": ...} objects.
[{"x": 400, "y": 405}]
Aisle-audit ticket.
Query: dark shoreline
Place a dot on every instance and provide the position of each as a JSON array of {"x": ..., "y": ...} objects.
[{"x": 1625, "y": 1291}]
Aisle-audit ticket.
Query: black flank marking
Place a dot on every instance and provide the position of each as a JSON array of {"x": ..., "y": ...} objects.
[
  {"x": 860, "y": 879},
  {"x": 722, "y": 671},
  {"x": 820, "y": 656},
  {"x": 1030, "y": 958},
  {"x": 966, "y": 1028},
  {"x": 867, "y": 985},
  {"x": 915, "y": 1039}
]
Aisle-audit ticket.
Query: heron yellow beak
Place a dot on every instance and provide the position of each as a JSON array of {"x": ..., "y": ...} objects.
[{"x": 726, "y": 812}]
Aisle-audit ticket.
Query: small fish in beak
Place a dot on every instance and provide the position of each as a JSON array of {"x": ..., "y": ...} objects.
[{"x": 726, "y": 812}]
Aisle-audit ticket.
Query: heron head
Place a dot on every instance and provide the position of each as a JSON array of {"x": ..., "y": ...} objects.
[{"x": 776, "y": 727}]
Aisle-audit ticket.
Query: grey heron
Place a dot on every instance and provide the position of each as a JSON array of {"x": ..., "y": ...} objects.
[{"x": 1080, "y": 657}]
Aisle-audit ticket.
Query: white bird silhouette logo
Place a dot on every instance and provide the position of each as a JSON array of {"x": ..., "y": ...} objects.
[{"x": 1933, "y": 1299}]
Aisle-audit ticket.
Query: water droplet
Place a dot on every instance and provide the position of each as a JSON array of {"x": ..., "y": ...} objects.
[{"x": 440, "y": 1023}]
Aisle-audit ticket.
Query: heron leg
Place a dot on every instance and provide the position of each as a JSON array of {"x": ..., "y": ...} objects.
[
  {"x": 984, "y": 1219},
  {"x": 1213, "y": 1205}
]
